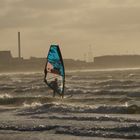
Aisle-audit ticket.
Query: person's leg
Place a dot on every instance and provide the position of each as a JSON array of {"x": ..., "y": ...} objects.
[
  {"x": 62, "y": 95},
  {"x": 54, "y": 93}
]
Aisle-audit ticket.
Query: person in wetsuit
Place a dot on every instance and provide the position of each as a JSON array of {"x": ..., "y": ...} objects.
[{"x": 53, "y": 84}]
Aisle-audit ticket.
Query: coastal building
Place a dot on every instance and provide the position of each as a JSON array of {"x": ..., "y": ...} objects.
[
  {"x": 110, "y": 61},
  {"x": 5, "y": 57},
  {"x": 10, "y": 63}
]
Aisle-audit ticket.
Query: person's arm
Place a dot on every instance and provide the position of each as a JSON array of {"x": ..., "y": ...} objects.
[{"x": 45, "y": 73}]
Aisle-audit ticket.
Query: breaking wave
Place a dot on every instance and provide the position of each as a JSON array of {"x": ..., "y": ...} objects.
[
  {"x": 73, "y": 108},
  {"x": 124, "y": 131},
  {"x": 102, "y": 104}
]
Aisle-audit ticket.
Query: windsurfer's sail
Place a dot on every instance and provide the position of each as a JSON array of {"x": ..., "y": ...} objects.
[{"x": 54, "y": 69}]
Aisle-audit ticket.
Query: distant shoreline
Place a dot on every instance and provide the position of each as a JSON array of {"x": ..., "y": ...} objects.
[
  {"x": 73, "y": 70},
  {"x": 10, "y": 64}
]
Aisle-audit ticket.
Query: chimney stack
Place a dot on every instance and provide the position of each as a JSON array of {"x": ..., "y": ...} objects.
[{"x": 19, "y": 49}]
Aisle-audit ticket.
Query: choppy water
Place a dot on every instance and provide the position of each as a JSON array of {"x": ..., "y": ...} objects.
[{"x": 105, "y": 105}]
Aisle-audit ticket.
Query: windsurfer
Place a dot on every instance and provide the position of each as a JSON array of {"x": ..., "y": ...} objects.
[{"x": 55, "y": 68}]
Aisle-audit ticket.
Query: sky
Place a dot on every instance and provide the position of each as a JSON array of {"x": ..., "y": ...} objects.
[{"x": 80, "y": 27}]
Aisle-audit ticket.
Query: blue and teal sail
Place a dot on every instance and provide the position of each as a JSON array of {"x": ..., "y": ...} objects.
[{"x": 54, "y": 69}]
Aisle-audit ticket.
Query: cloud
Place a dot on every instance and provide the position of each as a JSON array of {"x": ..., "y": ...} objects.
[
  {"x": 68, "y": 13},
  {"x": 71, "y": 22},
  {"x": 23, "y": 13}
]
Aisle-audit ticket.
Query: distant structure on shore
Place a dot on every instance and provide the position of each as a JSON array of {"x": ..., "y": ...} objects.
[
  {"x": 9, "y": 63},
  {"x": 19, "y": 48},
  {"x": 5, "y": 57},
  {"x": 115, "y": 61}
]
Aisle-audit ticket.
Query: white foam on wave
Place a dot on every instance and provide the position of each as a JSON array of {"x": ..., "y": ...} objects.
[
  {"x": 33, "y": 104},
  {"x": 126, "y": 104},
  {"x": 103, "y": 69},
  {"x": 15, "y": 79},
  {"x": 2, "y": 96},
  {"x": 73, "y": 105}
]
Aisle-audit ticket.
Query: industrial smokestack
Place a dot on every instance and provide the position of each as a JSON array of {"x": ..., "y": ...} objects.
[{"x": 19, "y": 50}]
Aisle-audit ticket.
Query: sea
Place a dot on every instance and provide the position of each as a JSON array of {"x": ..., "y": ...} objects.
[{"x": 98, "y": 105}]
